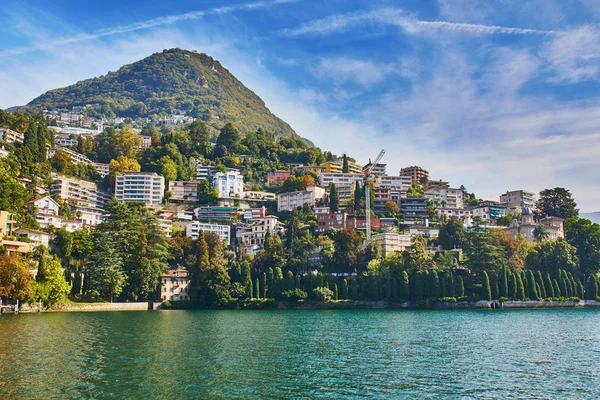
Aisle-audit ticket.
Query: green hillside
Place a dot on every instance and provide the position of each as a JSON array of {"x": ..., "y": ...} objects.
[{"x": 171, "y": 82}]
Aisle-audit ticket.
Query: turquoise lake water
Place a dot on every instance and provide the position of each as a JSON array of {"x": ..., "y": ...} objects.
[{"x": 545, "y": 354}]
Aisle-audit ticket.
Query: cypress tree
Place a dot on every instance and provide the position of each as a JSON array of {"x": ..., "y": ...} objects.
[
  {"x": 486, "y": 291},
  {"x": 592, "y": 292},
  {"x": 562, "y": 284},
  {"x": 533, "y": 293},
  {"x": 442, "y": 291},
  {"x": 512, "y": 286},
  {"x": 557, "y": 292},
  {"x": 345, "y": 167},
  {"x": 419, "y": 286},
  {"x": 345, "y": 289},
  {"x": 264, "y": 285},
  {"x": 548, "y": 285},
  {"x": 249, "y": 289},
  {"x": 404, "y": 286},
  {"x": 373, "y": 289},
  {"x": 42, "y": 132},
  {"x": 434, "y": 285},
  {"x": 388, "y": 288},
  {"x": 540, "y": 282},
  {"x": 504, "y": 291},
  {"x": 31, "y": 141},
  {"x": 538, "y": 290},
  {"x": 270, "y": 283},
  {"x": 290, "y": 281},
  {"x": 335, "y": 291},
  {"x": 357, "y": 196},
  {"x": 297, "y": 282},
  {"x": 257, "y": 289},
  {"x": 460, "y": 287},
  {"x": 451, "y": 285},
  {"x": 394, "y": 290},
  {"x": 520, "y": 287},
  {"x": 494, "y": 286},
  {"x": 580, "y": 290},
  {"x": 354, "y": 290},
  {"x": 334, "y": 198}
]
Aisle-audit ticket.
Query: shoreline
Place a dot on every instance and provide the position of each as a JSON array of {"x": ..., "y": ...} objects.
[{"x": 336, "y": 305}]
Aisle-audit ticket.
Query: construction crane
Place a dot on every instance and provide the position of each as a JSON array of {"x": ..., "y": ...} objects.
[{"x": 367, "y": 173}]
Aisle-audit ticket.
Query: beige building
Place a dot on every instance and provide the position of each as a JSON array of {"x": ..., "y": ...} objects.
[
  {"x": 417, "y": 174},
  {"x": 292, "y": 200},
  {"x": 252, "y": 237},
  {"x": 520, "y": 198},
  {"x": 184, "y": 191},
  {"x": 6, "y": 224},
  {"x": 174, "y": 285},
  {"x": 79, "y": 192},
  {"x": 344, "y": 184},
  {"x": 525, "y": 227},
  {"x": 337, "y": 166},
  {"x": 392, "y": 242}
]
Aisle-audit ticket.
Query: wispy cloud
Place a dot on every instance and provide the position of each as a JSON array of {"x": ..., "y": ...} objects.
[
  {"x": 138, "y": 26},
  {"x": 397, "y": 17},
  {"x": 362, "y": 72}
]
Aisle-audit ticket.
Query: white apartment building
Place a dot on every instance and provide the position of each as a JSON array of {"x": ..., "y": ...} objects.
[
  {"x": 223, "y": 231},
  {"x": 344, "y": 183},
  {"x": 37, "y": 238},
  {"x": 204, "y": 171},
  {"x": 378, "y": 169},
  {"x": 45, "y": 205},
  {"x": 447, "y": 197},
  {"x": 174, "y": 285},
  {"x": 252, "y": 214},
  {"x": 252, "y": 237},
  {"x": 184, "y": 191},
  {"x": 79, "y": 192},
  {"x": 519, "y": 198},
  {"x": 229, "y": 184},
  {"x": 460, "y": 213},
  {"x": 488, "y": 213},
  {"x": 292, "y": 200},
  {"x": 145, "y": 187},
  {"x": 399, "y": 183},
  {"x": 392, "y": 242}
]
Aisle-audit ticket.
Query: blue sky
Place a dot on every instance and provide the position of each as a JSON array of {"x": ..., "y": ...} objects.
[{"x": 494, "y": 95}]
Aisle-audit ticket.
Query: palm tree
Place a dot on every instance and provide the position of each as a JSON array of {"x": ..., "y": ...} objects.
[{"x": 540, "y": 233}]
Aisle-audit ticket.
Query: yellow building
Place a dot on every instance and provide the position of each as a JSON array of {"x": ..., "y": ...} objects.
[
  {"x": 6, "y": 224},
  {"x": 338, "y": 165}
]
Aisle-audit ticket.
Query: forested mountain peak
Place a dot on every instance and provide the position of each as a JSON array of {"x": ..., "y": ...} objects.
[{"x": 170, "y": 82}]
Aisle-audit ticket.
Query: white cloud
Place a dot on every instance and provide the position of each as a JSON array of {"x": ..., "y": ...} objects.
[
  {"x": 339, "y": 70},
  {"x": 574, "y": 56}
]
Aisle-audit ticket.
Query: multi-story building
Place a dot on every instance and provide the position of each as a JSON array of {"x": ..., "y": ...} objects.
[
  {"x": 144, "y": 187},
  {"x": 359, "y": 222},
  {"x": 337, "y": 166},
  {"x": 223, "y": 231},
  {"x": 344, "y": 183},
  {"x": 260, "y": 196},
  {"x": 520, "y": 198},
  {"x": 184, "y": 191},
  {"x": 79, "y": 192},
  {"x": 326, "y": 219},
  {"x": 424, "y": 230},
  {"x": 251, "y": 214},
  {"x": 78, "y": 158},
  {"x": 209, "y": 213},
  {"x": 251, "y": 238},
  {"x": 292, "y": 200},
  {"x": 35, "y": 237},
  {"x": 45, "y": 205},
  {"x": 525, "y": 226},
  {"x": 447, "y": 197},
  {"x": 6, "y": 224},
  {"x": 10, "y": 136},
  {"x": 174, "y": 285},
  {"x": 417, "y": 174},
  {"x": 460, "y": 213},
  {"x": 378, "y": 169},
  {"x": 487, "y": 214},
  {"x": 414, "y": 207},
  {"x": 278, "y": 176},
  {"x": 230, "y": 184},
  {"x": 392, "y": 242},
  {"x": 402, "y": 183},
  {"x": 204, "y": 171}
]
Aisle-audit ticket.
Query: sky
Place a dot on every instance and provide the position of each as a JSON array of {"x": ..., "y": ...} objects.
[{"x": 494, "y": 95}]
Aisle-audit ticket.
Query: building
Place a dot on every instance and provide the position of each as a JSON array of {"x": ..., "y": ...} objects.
[
  {"x": 36, "y": 238},
  {"x": 460, "y": 213},
  {"x": 165, "y": 221},
  {"x": 146, "y": 141},
  {"x": 344, "y": 183},
  {"x": 223, "y": 231},
  {"x": 401, "y": 183},
  {"x": 424, "y": 230},
  {"x": 174, "y": 285},
  {"x": 326, "y": 219},
  {"x": 184, "y": 191},
  {"x": 525, "y": 226},
  {"x": 15, "y": 246},
  {"x": 447, "y": 197},
  {"x": 337, "y": 166},
  {"x": 259, "y": 196},
  {"x": 48, "y": 220},
  {"x": 7, "y": 220},
  {"x": 359, "y": 222},
  {"x": 209, "y": 213},
  {"x": 292, "y": 200},
  {"x": 3, "y": 152},
  {"x": 251, "y": 238},
  {"x": 43, "y": 205},
  {"x": 230, "y": 184},
  {"x": 416, "y": 174},
  {"x": 487, "y": 214},
  {"x": 251, "y": 214},
  {"x": 278, "y": 176},
  {"x": 79, "y": 192},
  {"x": 392, "y": 242},
  {"x": 78, "y": 158},
  {"x": 144, "y": 187},
  {"x": 204, "y": 171},
  {"x": 10, "y": 136},
  {"x": 414, "y": 207},
  {"x": 378, "y": 170},
  {"x": 520, "y": 198}
]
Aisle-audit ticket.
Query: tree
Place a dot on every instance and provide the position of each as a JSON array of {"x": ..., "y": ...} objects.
[
  {"x": 125, "y": 142},
  {"x": 584, "y": 235},
  {"x": 417, "y": 258},
  {"x": 540, "y": 233},
  {"x": 452, "y": 234},
  {"x": 358, "y": 197},
  {"x": 391, "y": 207},
  {"x": 104, "y": 272},
  {"x": 16, "y": 281},
  {"x": 553, "y": 256},
  {"x": 168, "y": 169},
  {"x": 345, "y": 168},
  {"x": 483, "y": 251},
  {"x": 120, "y": 165},
  {"x": 207, "y": 194},
  {"x": 52, "y": 288},
  {"x": 347, "y": 244},
  {"x": 486, "y": 292},
  {"x": 334, "y": 199},
  {"x": 557, "y": 202},
  {"x": 229, "y": 137}
]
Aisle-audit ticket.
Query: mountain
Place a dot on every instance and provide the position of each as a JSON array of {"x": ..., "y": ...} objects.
[
  {"x": 594, "y": 216},
  {"x": 173, "y": 81}
]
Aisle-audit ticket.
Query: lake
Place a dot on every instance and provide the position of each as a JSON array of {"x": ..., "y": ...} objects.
[{"x": 302, "y": 354}]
